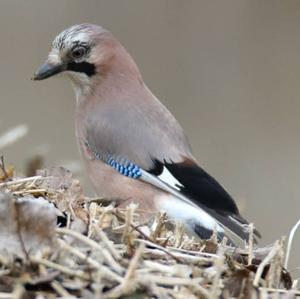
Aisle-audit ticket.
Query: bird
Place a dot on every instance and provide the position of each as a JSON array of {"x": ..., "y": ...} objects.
[{"x": 133, "y": 148}]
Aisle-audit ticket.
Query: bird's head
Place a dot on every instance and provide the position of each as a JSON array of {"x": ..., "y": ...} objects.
[{"x": 83, "y": 52}]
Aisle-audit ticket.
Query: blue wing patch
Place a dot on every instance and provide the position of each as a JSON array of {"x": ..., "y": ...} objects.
[
  {"x": 125, "y": 168},
  {"x": 128, "y": 169}
]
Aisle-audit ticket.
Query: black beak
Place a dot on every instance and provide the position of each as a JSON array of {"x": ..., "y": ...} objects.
[{"x": 47, "y": 70}]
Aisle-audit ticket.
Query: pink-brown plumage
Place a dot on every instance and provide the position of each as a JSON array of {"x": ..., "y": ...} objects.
[{"x": 117, "y": 117}]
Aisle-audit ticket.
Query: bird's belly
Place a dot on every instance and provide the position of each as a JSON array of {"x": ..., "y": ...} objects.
[{"x": 108, "y": 183}]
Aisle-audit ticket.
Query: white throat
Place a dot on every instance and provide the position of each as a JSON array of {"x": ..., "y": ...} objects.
[{"x": 81, "y": 84}]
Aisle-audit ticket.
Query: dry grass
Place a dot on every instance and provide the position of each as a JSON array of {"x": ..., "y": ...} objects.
[{"x": 100, "y": 251}]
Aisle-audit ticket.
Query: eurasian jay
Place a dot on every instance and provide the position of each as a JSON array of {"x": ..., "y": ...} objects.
[{"x": 132, "y": 146}]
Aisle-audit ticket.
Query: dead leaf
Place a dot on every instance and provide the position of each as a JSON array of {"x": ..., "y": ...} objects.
[
  {"x": 58, "y": 178},
  {"x": 26, "y": 224},
  {"x": 69, "y": 193}
]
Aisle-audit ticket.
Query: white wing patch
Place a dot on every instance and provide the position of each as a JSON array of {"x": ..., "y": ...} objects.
[
  {"x": 169, "y": 179},
  {"x": 185, "y": 208},
  {"x": 179, "y": 210}
]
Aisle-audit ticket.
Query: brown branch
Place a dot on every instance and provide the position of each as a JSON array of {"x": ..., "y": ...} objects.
[{"x": 2, "y": 167}]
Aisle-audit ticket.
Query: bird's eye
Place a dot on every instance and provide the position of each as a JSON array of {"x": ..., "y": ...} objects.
[{"x": 78, "y": 52}]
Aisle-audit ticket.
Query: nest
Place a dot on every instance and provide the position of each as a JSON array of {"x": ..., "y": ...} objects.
[{"x": 56, "y": 242}]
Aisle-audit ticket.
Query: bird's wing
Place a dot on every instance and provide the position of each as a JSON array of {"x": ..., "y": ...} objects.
[
  {"x": 193, "y": 185},
  {"x": 195, "y": 188},
  {"x": 194, "y": 182},
  {"x": 236, "y": 233},
  {"x": 146, "y": 134}
]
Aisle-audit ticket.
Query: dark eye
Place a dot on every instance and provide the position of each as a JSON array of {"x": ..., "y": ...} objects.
[{"x": 78, "y": 52}]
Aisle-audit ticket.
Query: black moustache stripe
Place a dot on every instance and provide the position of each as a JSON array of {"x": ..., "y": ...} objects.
[{"x": 82, "y": 67}]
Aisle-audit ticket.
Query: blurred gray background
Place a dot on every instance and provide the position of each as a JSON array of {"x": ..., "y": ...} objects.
[{"x": 228, "y": 70}]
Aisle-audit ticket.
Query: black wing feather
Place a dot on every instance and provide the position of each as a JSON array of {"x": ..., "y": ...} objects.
[
  {"x": 206, "y": 192},
  {"x": 202, "y": 188}
]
